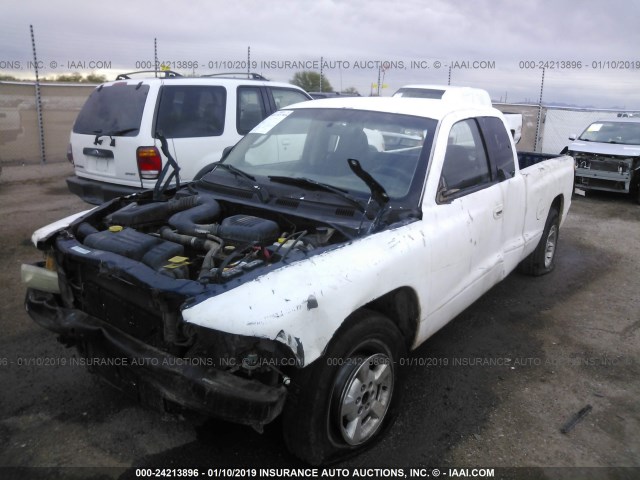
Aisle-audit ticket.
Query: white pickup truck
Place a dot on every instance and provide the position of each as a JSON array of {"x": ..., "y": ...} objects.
[{"x": 293, "y": 278}]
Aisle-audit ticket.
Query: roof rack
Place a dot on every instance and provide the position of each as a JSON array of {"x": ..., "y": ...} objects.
[
  {"x": 249, "y": 75},
  {"x": 166, "y": 74}
]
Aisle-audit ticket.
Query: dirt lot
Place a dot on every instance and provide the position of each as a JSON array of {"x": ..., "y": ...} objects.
[{"x": 492, "y": 389}]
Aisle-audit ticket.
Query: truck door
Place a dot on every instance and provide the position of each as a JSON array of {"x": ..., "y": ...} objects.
[
  {"x": 467, "y": 243},
  {"x": 502, "y": 158}
]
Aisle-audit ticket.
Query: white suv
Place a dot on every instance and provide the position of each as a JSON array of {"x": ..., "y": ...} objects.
[{"x": 115, "y": 142}]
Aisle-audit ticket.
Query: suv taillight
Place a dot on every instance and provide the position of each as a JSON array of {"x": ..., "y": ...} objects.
[
  {"x": 149, "y": 162},
  {"x": 70, "y": 154}
]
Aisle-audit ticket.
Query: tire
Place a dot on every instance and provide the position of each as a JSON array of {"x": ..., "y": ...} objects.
[
  {"x": 342, "y": 403},
  {"x": 543, "y": 259}
]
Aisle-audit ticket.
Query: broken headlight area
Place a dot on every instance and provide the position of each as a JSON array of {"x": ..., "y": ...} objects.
[
  {"x": 100, "y": 342},
  {"x": 157, "y": 378},
  {"x": 268, "y": 361},
  {"x": 604, "y": 163},
  {"x": 152, "y": 315}
]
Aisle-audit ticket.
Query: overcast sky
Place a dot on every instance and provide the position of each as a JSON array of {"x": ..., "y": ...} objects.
[{"x": 592, "y": 47}]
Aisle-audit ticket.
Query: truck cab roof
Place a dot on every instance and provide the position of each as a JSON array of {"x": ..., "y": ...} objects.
[
  {"x": 446, "y": 93},
  {"x": 421, "y": 107}
]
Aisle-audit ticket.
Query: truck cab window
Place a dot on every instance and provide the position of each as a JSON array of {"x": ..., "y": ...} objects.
[
  {"x": 499, "y": 147},
  {"x": 465, "y": 166}
]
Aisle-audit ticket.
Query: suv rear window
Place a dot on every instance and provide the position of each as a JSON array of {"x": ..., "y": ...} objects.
[
  {"x": 115, "y": 109},
  {"x": 191, "y": 111}
]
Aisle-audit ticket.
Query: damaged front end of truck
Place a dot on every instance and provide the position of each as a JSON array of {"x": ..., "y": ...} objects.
[
  {"x": 114, "y": 284},
  {"x": 211, "y": 296},
  {"x": 116, "y": 281}
]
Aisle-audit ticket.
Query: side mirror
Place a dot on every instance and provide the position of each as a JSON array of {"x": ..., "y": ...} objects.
[
  {"x": 444, "y": 192},
  {"x": 573, "y": 136}
]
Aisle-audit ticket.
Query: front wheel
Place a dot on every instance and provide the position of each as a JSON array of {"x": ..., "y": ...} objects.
[
  {"x": 543, "y": 259},
  {"x": 344, "y": 401}
]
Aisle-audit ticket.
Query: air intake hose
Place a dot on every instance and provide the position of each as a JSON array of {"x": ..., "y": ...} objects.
[
  {"x": 136, "y": 214},
  {"x": 205, "y": 209}
]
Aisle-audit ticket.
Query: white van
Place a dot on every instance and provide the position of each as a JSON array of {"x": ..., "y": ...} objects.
[{"x": 115, "y": 142}]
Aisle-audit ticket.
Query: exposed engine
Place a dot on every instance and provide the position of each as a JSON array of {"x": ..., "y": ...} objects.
[{"x": 194, "y": 237}]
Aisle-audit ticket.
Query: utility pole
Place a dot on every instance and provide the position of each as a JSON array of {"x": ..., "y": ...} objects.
[{"x": 43, "y": 157}]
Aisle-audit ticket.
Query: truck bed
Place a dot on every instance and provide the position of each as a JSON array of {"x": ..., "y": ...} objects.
[
  {"x": 526, "y": 159},
  {"x": 547, "y": 177}
]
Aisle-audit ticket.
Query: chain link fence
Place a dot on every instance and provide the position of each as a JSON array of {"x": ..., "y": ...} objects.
[
  {"x": 557, "y": 124},
  {"x": 560, "y": 123},
  {"x": 19, "y": 128}
]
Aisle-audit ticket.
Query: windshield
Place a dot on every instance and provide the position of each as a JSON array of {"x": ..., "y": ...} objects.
[
  {"x": 314, "y": 144},
  {"x": 627, "y": 133},
  {"x": 115, "y": 109}
]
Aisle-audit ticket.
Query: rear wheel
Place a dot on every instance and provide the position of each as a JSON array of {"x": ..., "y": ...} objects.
[
  {"x": 343, "y": 402},
  {"x": 542, "y": 260}
]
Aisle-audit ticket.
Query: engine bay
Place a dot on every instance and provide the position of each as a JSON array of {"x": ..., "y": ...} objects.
[{"x": 197, "y": 237}]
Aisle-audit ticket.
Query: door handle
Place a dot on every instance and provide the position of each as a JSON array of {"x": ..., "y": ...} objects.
[
  {"x": 98, "y": 152},
  {"x": 497, "y": 212}
]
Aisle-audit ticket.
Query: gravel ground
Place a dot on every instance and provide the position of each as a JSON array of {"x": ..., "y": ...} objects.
[{"x": 492, "y": 389}]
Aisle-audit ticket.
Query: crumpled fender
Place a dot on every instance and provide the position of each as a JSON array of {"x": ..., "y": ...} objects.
[{"x": 44, "y": 233}]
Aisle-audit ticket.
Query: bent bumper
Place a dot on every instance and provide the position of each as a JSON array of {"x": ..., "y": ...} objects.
[
  {"x": 152, "y": 375},
  {"x": 95, "y": 192}
]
